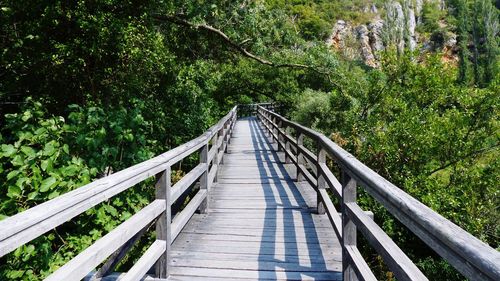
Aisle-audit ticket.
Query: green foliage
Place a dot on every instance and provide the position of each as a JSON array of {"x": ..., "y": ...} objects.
[
  {"x": 434, "y": 139},
  {"x": 478, "y": 28},
  {"x": 36, "y": 162},
  {"x": 112, "y": 139},
  {"x": 431, "y": 15},
  {"x": 40, "y": 162}
]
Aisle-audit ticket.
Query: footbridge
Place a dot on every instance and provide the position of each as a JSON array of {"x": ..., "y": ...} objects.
[{"x": 269, "y": 199}]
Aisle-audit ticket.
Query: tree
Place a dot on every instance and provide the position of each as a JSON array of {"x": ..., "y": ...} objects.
[{"x": 463, "y": 42}]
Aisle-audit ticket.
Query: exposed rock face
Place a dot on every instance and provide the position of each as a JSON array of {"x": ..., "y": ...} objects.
[
  {"x": 366, "y": 49},
  {"x": 375, "y": 35},
  {"x": 411, "y": 24},
  {"x": 339, "y": 32},
  {"x": 398, "y": 29},
  {"x": 419, "y": 4}
]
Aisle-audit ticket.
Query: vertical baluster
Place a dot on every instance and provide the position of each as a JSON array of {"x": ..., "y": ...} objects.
[
  {"x": 204, "y": 178},
  {"x": 320, "y": 179},
  {"x": 280, "y": 137},
  {"x": 348, "y": 226},
  {"x": 163, "y": 229},
  {"x": 215, "y": 143},
  {"x": 271, "y": 128},
  {"x": 287, "y": 146},
  {"x": 300, "y": 157}
]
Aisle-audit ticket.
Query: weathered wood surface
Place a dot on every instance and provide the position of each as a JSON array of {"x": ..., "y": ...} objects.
[
  {"x": 261, "y": 225},
  {"x": 470, "y": 256},
  {"x": 26, "y": 226}
]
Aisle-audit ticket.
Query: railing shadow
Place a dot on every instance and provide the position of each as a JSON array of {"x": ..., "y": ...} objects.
[{"x": 275, "y": 175}]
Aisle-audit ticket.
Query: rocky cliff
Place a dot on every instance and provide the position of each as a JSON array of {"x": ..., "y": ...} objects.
[{"x": 397, "y": 28}]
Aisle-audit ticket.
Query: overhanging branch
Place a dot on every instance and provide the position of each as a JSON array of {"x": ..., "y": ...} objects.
[{"x": 238, "y": 47}]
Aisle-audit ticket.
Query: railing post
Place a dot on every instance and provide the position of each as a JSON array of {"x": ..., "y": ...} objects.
[
  {"x": 204, "y": 178},
  {"x": 163, "y": 229},
  {"x": 271, "y": 129},
  {"x": 321, "y": 182},
  {"x": 227, "y": 137},
  {"x": 287, "y": 146},
  {"x": 280, "y": 137},
  {"x": 348, "y": 226},
  {"x": 300, "y": 157},
  {"x": 217, "y": 161}
]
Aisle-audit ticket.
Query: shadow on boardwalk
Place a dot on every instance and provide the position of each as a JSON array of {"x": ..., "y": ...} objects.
[{"x": 260, "y": 226}]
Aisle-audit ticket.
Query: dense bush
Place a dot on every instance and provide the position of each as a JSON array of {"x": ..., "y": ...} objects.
[{"x": 432, "y": 138}]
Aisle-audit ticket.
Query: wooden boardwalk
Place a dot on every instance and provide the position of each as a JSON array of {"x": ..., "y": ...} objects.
[
  {"x": 261, "y": 225},
  {"x": 255, "y": 222}
]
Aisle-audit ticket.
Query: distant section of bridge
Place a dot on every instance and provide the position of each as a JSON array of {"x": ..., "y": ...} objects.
[
  {"x": 259, "y": 207},
  {"x": 261, "y": 224}
]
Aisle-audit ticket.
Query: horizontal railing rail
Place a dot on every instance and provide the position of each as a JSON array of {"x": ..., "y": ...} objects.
[
  {"x": 32, "y": 223},
  {"x": 469, "y": 255},
  {"x": 247, "y": 110}
]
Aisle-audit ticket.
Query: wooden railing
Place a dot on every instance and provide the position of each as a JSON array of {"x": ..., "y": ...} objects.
[
  {"x": 246, "y": 110},
  {"x": 32, "y": 223},
  {"x": 470, "y": 256}
]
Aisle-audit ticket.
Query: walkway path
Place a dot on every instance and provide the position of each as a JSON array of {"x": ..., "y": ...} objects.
[{"x": 261, "y": 224}]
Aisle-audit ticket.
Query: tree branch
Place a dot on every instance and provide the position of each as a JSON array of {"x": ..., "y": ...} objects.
[
  {"x": 471, "y": 154},
  {"x": 238, "y": 47}
]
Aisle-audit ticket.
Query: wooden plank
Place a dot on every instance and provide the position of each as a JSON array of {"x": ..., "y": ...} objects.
[
  {"x": 307, "y": 176},
  {"x": 212, "y": 175},
  {"x": 183, "y": 217},
  {"x": 334, "y": 217},
  {"x": 258, "y": 222},
  {"x": 349, "y": 193},
  {"x": 204, "y": 183},
  {"x": 185, "y": 182},
  {"x": 25, "y": 226},
  {"x": 116, "y": 276},
  {"x": 146, "y": 261},
  {"x": 284, "y": 238},
  {"x": 277, "y": 266},
  {"x": 163, "y": 225},
  {"x": 470, "y": 256},
  {"x": 289, "y": 247},
  {"x": 331, "y": 180},
  {"x": 86, "y": 261},
  {"x": 117, "y": 256},
  {"x": 359, "y": 265},
  {"x": 304, "y": 259},
  {"x": 393, "y": 256},
  {"x": 252, "y": 274}
]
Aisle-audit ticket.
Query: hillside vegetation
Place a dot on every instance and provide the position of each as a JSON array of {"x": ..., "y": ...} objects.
[{"x": 91, "y": 87}]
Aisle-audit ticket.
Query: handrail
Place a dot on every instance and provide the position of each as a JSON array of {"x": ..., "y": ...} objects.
[
  {"x": 469, "y": 255},
  {"x": 246, "y": 110},
  {"x": 34, "y": 222}
]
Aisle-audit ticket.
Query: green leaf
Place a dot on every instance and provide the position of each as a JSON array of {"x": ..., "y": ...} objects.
[
  {"x": 14, "y": 274},
  {"x": 26, "y": 116},
  {"x": 49, "y": 149},
  {"x": 12, "y": 174},
  {"x": 14, "y": 191},
  {"x": 53, "y": 194},
  {"x": 46, "y": 165},
  {"x": 2, "y": 217},
  {"x": 70, "y": 170},
  {"x": 32, "y": 195},
  {"x": 48, "y": 184},
  {"x": 28, "y": 151},
  {"x": 66, "y": 148},
  {"x": 18, "y": 160},
  {"x": 8, "y": 150}
]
